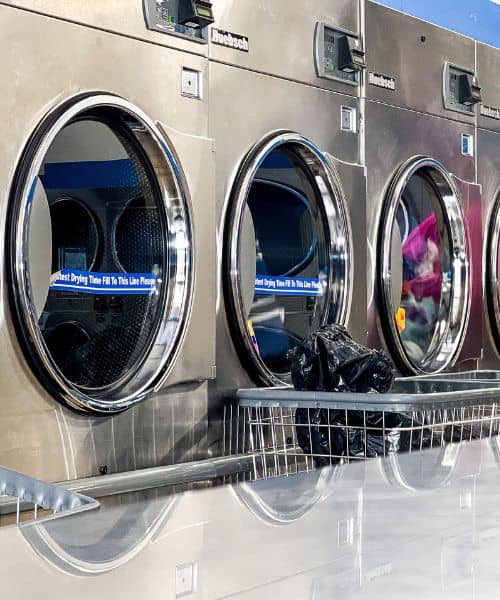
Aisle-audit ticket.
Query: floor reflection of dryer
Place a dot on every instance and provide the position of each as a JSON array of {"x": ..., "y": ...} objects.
[
  {"x": 316, "y": 516},
  {"x": 288, "y": 248},
  {"x": 117, "y": 532},
  {"x": 424, "y": 221},
  {"x": 488, "y": 175},
  {"x": 107, "y": 214},
  {"x": 434, "y": 494}
]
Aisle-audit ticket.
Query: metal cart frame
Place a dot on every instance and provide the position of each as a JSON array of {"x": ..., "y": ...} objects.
[{"x": 349, "y": 427}]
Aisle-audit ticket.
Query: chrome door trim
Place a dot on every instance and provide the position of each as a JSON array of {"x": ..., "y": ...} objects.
[
  {"x": 446, "y": 343},
  {"x": 159, "y": 358},
  {"x": 336, "y": 213},
  {"x": 492, "y": 281}
]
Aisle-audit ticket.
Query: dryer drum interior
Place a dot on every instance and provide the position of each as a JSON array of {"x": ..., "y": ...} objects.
[
  {"x": 100, "y": 253},
  {"x": 423, "y": 274},
  {"x": 287, "y": 253}
]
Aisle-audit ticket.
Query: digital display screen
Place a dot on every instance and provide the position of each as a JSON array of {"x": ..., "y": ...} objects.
[{"x": 204, "y": 12}]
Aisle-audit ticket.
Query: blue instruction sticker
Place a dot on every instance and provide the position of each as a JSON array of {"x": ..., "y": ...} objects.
[
  {"x": 287, "y": 286},
  {"x": 104, "y": 283}
]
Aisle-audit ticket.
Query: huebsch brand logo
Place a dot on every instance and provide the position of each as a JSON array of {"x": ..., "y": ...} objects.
[
  {"x": 382, "y": 81},
  {"x": 489, "y": 111},
  {"x": 230, "y": 40}
]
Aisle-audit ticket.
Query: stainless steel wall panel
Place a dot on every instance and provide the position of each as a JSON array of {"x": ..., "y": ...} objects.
[
  {"x": 354, "y": 180},
  {"x": 281, "y": 35},
  {"x": 414, "y": 53},
  {"x": 488, "y": 67},
  {"x": 123, "y": 17},
  {"x": 238, "y": 118},
  {"x": 473, "y": 208},
  {"x": 488, "y": 171}
]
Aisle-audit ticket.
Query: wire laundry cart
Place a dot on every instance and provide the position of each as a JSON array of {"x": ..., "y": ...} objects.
[
  {"x": 25, "y": 499},
  {"x": 289, "y": 432}
]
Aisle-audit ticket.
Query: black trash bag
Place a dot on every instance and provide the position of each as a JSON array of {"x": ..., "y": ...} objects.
[
  {"x": 329, "y": 360},
  {"x": 330, "y": 438}
]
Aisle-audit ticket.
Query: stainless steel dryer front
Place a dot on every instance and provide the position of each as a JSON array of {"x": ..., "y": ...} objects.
[
  {"x": 424, "y": 215},
  {"x": 109, "y": 227},
  {"x": 290, "y": 191},
  {"x": 488, "y": 174}
]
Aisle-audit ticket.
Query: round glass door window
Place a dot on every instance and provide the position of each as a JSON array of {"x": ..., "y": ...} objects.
[
  {"x": 99, "y": 254},
  {"x": 287, "y": 253},
  {"x": 424, "y": 268}
]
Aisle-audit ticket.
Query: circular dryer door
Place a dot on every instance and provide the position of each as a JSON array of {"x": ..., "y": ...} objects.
[
  {"x": 423, "y": 274},
  {"x": 287, "y": 253},
  {"x": 99, "y": 253}
]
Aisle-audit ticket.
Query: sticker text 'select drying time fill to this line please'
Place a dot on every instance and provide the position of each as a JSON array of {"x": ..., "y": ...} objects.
[
  {"x": 104, "y": 283},
  {"x": 288, "y": 286}
]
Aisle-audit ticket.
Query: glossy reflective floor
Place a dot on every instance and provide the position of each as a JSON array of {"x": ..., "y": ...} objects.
[{"x": 423, "y": 525}]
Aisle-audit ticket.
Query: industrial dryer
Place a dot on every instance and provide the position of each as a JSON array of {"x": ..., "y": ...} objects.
[
  {"x": 424, "y": 208},
  {"x": 488, "y": 176},
  {"x": 290, "y": 190},
  {"x": 109, "y": 224}
]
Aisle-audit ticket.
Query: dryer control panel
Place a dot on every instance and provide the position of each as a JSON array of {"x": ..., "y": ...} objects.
[
  {"x": 187, "y": 18},
  {"x": 338, "y": 54},
  {"x": 461, "y": 90}
]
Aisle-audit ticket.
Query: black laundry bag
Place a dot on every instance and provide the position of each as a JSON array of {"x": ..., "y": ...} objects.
[
  {"x": 329, "y": 360},
  {"x": 327, "y": 436}
]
